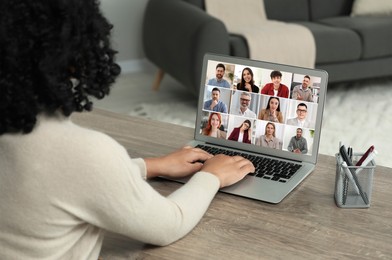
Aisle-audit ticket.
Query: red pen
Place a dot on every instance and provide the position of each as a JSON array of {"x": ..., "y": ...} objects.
[{"x": 359, "y": 163}]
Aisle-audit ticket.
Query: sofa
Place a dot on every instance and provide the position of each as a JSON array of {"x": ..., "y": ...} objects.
[{"x": 177, "y": 33}]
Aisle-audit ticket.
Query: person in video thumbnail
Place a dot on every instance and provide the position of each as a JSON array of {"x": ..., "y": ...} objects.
[
  {"x": 247, "y": 82},
  {"x": 300, "y": 120},
  {"x": 219, "y": 81},
  {"x": 214, "y": 103},
  {"x": 275, "y": 88},
  {"x": 243, "y": 133},
  {"x": 268, "y": 139},
  {"x": 244, "y": 110},
  {"x": 213, "y": 126},
  {"x": 303, "y": 91},
  {"x": 272, "y": 111},
  {"x": 298, "y": 143}
]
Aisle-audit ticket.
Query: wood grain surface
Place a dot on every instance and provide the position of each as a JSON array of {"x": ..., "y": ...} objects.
[{"x": 307, "y": 224}]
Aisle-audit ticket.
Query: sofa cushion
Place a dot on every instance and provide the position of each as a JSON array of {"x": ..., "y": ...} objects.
[
  {"x": 372, "y": 8},
  {"x": 375, "y": 33},
  {"x": 320, "y": 9},
  {"x": 283, "y": 10},
  {"x": 334, "y": 44}
]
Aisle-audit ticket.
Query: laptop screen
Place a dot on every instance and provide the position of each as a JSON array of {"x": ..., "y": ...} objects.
[{"x": 261, "y": 107}]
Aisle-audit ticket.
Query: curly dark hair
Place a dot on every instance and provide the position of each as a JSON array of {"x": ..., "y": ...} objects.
[{"x": 54, "y": 54}]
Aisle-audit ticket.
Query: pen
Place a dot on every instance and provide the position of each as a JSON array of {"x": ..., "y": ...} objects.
[
  {"x": 344, "y": 182},
  {"x": 368, "y": 159},
  {"x": 365, "y": 155},
  {"x": 350, "y": 176},
  {"x": 350, "y": 152}
]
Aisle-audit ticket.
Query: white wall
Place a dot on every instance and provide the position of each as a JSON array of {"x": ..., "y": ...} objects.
[{"x": 127, "y": 19}]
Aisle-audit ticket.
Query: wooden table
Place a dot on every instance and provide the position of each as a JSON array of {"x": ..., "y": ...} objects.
[{"x": 305, "y": 225}]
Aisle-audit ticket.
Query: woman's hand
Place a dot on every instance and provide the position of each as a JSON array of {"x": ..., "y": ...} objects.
[
  {"x": 188, "y": 160},
  {"x": 248, "y": 87},
  {"x": 273, "y": 113},
  {"x": 228, "y": 169},
  {"x": 181, "y": 163},
  {"x": 274, "y": 116}
]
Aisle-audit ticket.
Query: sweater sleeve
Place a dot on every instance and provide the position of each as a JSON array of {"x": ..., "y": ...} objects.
[{"x": 111, "y": 193}]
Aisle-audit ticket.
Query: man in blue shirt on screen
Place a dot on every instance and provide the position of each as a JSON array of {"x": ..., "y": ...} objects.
[
  {"x": 219, "y": 81},
  {"x": 214, "y": 103}
]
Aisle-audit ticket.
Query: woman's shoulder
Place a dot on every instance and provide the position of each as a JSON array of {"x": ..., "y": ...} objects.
[
  {"x": 71, "y": 136},
  {"x": 95, "y": 138}
]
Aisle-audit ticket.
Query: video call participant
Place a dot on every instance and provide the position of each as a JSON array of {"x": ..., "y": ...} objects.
[
  {"x": 243, "y": 133},
  {"x": 214, "y": 103},
  {"x": 243, "y": 110},
  {"x": 247, "y": 82},
  {"x": 298, "y": 143},
  {"x": 268, "y": 139},
  {"x": 213, "y": 126},
  {"x": 275, "y": 88},
  {"x": 272, "y": 111},
  {"x": 300, "y": 120},
  {"x": 63, "y": 186},
  {"x": 303, "y": 91},
  {"x": 219, "y": 81}
]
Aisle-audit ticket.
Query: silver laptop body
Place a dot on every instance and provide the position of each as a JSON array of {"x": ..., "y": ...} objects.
[{"x": 262, "y": 188}]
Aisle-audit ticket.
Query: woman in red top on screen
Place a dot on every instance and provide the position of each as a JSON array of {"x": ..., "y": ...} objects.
[
  {"x": 247, "y": 82},
  {"x": 213, "y": 126},
  {"x": 275, "y": 88},
  {"x": 242, "y": 133}
]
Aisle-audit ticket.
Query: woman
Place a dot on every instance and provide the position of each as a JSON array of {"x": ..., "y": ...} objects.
[
  {"x": 247, "y": 81},
  {"x": 61, "y": 185},
  {"x": 268, "y": 139},
  {"x": 272, "y": 111},
  {"x": 213, "y": 125},
  {"x": 243, "y": 133}
]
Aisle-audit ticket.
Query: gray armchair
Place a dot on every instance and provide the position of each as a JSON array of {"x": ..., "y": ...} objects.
[{"x": 178, "y": 44}]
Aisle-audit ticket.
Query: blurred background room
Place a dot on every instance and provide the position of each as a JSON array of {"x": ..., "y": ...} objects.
[{"x": 357, "y": 111}]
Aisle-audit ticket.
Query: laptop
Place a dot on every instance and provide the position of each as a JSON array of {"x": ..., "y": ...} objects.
[{"x": 279, "y": 131}]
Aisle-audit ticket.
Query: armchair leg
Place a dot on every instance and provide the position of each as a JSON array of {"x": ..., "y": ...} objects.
[{"x": 158, "y": 79}]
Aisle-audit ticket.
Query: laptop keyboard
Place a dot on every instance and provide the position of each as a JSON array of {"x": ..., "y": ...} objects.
[{"x": 266, "y": 168}]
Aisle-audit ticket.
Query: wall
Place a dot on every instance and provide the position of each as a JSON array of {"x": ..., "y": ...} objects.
[{"x": 127, "y": 18}]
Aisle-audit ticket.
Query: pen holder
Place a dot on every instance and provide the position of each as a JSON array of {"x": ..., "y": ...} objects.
[{"x": 353, "y": 184}]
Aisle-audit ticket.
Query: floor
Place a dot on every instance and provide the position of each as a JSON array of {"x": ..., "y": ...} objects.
[{"x": 135, "y": 88}]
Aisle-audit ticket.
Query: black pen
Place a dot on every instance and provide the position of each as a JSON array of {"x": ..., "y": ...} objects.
[{"x": 350, "y": 152}]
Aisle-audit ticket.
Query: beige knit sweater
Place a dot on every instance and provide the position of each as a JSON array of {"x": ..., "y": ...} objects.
[{"x": 62, "y": 185}]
